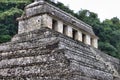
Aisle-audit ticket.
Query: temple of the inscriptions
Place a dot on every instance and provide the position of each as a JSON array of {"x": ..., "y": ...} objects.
[
  {"x": 42, "y": 13},
  {"x": 53, "y": 45}
]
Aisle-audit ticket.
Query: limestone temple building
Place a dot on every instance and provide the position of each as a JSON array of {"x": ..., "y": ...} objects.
[
  {"x": 53, "y": 45},
  {"x": 40, "y": 13}
]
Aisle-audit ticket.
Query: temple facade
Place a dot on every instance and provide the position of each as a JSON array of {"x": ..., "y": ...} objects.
[
  {"x": 53, "y": 45},
  {"x": 42, "y": 14}
]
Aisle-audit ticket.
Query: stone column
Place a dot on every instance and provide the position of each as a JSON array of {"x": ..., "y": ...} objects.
[
  {"x": 95, "y": 43},
  {"x": 79, "y": 36},
  {"x": 87, "y": 39},
  {"x": 60, "y": 26},
  {"x": 20, "y": 27},
  {"x": 69, "y": 31},
  {"x": 49, "y": 22}
]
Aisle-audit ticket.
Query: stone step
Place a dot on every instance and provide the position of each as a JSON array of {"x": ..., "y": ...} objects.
[
  {"x": 86, "y": 61},
  {"x": 90, "y": 72},
  {"x": 32, "y": 59},
  {"x": 61, "y": 76},
  {"x": 40, "y": 70},
  {"x": 40, "y": 33},
  {"x": 77, "y": 48},
  {"x": 24, "y": 61},
  {"x": 54, "y": 77},
  {"x": 25, "y": 53},
  {"x": 28, "y": 44},
  {"x": 80, "y": 53},
  {"x": 42, "y": 65}
]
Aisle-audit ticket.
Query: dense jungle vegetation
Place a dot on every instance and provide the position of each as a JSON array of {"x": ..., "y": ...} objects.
[{"x": 108, "y": 30}]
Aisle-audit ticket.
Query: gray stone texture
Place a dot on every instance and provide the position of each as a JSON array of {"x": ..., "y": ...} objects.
[
  {"x": 42, "y": 7},
  {"x": 40, "y": 53},
  {"x": 44, "y": 54}
]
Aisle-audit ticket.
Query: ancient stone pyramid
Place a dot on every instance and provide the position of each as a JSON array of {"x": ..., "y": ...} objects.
[{"x": 45, "y": 54}]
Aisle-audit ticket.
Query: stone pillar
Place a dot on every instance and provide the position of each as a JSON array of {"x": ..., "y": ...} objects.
[
  {"x": 21, "y": 27},
  {"x": 46, "y": 21},
  {"x": 95, "y": 42},
  {"x": 79, "y": 36},
  {"x": 87, "y": 39},
  {"x": 59, "y": 26},
  {"x": 49, "y": 22},
  {"x": 69, "y": 31}
]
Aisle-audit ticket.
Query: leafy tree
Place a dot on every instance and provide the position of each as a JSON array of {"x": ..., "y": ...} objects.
[
  {"x": 4, "y": 38},
  {"x": 8, "y": 24}
]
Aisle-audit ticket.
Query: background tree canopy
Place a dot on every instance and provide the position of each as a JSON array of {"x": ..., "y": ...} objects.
[{"x": 108, "y": 31}]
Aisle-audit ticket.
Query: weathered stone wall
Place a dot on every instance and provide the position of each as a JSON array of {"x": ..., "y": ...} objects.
[
  {"x": 45, "y": 54},
  {"x": 29, "y": 24}
]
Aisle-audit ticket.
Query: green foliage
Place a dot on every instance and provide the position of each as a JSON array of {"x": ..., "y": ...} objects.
[
  {"x": 4, "y": 38},
  {"x": 61, "y": 6},
  {"x": 15, "y": 1},
  {"x": 108, "y": 48},
  {"x": 8, "y": 24},
  {"x": 11, "y": 12},
  {"x": 108, "y": 31}
]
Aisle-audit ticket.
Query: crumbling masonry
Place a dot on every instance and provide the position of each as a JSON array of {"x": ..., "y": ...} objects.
[{"x": 53, "y": 45}]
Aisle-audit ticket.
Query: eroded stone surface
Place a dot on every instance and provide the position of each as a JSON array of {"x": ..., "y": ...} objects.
[{"x": 45, "y": 54}]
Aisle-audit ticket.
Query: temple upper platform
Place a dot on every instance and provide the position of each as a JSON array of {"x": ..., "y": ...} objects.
[{"x": 42, "y": 14}]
